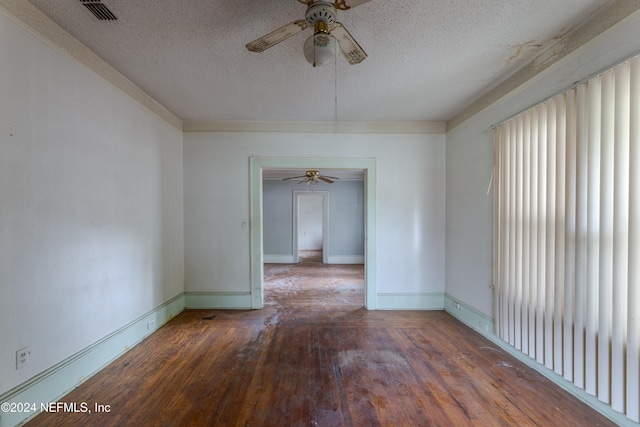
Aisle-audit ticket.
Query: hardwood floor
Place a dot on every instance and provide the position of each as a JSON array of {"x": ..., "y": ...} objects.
[{"x": 314, "y": 357}]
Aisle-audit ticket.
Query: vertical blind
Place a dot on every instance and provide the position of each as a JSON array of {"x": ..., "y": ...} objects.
[{"x": 567, "y": 244}]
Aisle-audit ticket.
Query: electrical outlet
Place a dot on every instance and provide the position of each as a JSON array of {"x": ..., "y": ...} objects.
[
  {"x": 456, "y": 305},
  {"x": 22, "y": 357},
  {"x": 150, "y": 324}
]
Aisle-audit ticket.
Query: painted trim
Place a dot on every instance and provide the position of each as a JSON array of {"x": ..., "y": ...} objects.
[
  {"x": 345, "y": 259},
  {"x": 485, "y": 326},
  {"x": 331, "y": 259},
  {"x": 411, "y": 301},
  {"x": 577, "y": 392},
  {"x": 55, "y": 382},
  {"x": 279, "y": 259},
  {"x": 318, "y": 127},
  {"x": 218, "y": 300},
  {"x": 469, "y": 316},
  {"x": 257, "y": 164}
]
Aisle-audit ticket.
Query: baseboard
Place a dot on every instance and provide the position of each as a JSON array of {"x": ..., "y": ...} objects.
[
  {"x": 345, "y": 259},
  {"x": 55, "y": 382},
  {"x": 220, "y": 300},
  {"x": 278, "y": 259},
  {"x": 485, "y": 326},
  {"x": 402, "y": 301},
  {"x": 332, "y": 259},
  {"x": 469, "y": 315}
]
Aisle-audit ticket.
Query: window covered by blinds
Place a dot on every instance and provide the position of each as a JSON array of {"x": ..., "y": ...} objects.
[{"x": 567, "y": 222}]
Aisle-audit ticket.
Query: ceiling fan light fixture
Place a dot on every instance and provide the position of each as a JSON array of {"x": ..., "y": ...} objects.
[{"x": 320, "y": 49}]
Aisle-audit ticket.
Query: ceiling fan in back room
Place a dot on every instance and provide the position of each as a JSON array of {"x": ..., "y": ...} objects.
[
  {"x": 311, "y": 177},
  {"x": 319, "y": 48}
]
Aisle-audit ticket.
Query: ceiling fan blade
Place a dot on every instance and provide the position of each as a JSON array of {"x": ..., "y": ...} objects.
[
  {"x": 275, "y": 37},
  {"x": 348, "y": 4},
  {"x": 325, "y": 179},
  {"x": 294, "y": 177},
  {"x": 349, "y": 47}
]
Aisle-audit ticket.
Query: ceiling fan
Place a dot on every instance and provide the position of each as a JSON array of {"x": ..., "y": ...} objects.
[
  {"x": 319, "y": 49},
  {"x": 311, "y": 177}
]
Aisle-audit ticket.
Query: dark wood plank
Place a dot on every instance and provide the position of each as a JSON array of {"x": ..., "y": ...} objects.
[{"x": 315, "y": 357}]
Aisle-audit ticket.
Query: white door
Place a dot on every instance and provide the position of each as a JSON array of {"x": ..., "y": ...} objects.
[{"x": 310, "y": 222}]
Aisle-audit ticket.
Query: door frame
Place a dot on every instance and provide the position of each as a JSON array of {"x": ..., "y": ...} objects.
[
  {"x": 325, "y": 221},
  {"x": 258, "y": 164}
]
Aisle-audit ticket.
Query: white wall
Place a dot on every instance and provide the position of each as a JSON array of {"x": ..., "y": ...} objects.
[
  {"x": 410, "y": 186},
  {"x": 90, "y": 211},
  {"x": 346, "y": 219},
  {"x": 470, "y": 161},
  {"x": 277, "y": 211}
]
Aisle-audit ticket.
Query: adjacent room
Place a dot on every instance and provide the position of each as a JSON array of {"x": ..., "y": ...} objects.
[
  {"x": 314, "y": 226},
  {"x": 304, "y": 212}
]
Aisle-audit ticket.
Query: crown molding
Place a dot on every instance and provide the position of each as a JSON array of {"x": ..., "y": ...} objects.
[
  {"x": 31, "y": 19},
  {"x": 317, "y": 127},
  {"x": 607, "y": 18}
]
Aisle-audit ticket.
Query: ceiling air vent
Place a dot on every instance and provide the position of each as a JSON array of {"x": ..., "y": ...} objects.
[{"x": 99, "y": 10}]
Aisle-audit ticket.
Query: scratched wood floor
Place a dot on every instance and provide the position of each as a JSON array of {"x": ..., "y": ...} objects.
[{"x": 314, "y": 357}]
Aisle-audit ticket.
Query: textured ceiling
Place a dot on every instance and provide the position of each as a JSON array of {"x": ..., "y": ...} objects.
[{"x": 428, "y": 60}]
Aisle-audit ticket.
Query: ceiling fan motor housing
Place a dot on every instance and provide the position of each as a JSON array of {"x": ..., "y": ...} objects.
[{"x": 321, "y": 12}]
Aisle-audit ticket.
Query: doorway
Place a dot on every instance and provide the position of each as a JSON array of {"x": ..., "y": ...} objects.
[
  {"x": 310, "y": 223},
  {"x": 256, "y": 167}
]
